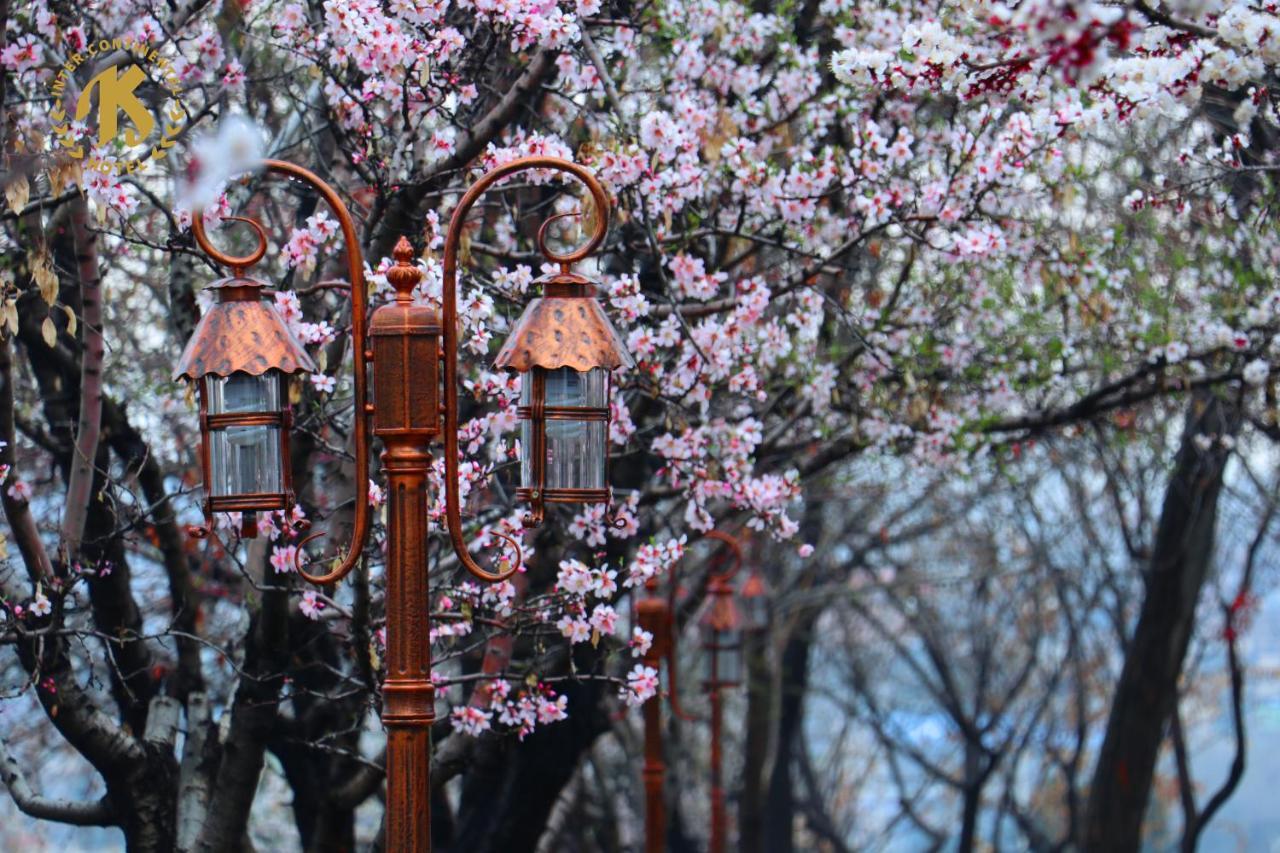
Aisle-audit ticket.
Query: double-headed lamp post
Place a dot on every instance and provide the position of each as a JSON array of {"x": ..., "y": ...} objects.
[
  {"x": 242, "y": 354},
  {"x": 722, "y": 626}
]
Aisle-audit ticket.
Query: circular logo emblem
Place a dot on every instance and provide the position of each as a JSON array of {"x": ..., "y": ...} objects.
[{"x": 110, "y": 111}]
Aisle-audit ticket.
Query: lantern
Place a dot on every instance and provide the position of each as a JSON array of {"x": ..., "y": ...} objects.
[
  {"x": 564, "y": 347},
  {"x": 722, "y": 631},
  {"x": 755, "y": 602},
  {"x": 240, "y": 356}
]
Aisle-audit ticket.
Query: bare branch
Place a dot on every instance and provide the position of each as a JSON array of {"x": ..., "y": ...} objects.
[{"x": 76, "y": 813}]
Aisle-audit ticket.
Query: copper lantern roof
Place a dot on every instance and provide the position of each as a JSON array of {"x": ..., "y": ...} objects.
[
  {"x": 565, "y": 327},
  {"x": 242, "y": 332},
  {"x": 721, "y": 614}
]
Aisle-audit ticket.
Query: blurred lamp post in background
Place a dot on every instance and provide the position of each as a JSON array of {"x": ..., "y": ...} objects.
[{"x": 723, "y": 626}]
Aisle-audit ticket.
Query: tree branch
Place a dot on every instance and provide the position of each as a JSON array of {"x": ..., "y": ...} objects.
[
  {"x": 403, "y": 210},
  {"x": 88, "y": 427},
  {"x": 74, "y": 812}
]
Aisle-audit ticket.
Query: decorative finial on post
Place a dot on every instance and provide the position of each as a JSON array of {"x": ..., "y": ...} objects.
[{"x": 404, "y": 276}]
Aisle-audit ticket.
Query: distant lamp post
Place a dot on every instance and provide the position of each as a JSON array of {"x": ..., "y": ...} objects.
[
  {"x": 242, "y": 353},
  {"x": 656, "y": 614},
  {"x": 722, "y": 647},
  {"x": 723, "y": 626}
]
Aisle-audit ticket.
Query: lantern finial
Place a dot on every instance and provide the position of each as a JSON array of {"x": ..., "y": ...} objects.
[{"x": 404, "y": 276}]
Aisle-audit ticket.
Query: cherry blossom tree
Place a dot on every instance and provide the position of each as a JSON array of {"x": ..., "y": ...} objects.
[{"x": 934, "y": 233}]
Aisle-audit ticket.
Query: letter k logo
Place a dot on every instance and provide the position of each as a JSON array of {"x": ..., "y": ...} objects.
[{"x": 116, "y": 93}]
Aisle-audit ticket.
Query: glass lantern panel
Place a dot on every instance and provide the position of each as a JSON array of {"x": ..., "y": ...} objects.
[
  {"x": 724, "y": 648},
  {"x": 576, "y": 450},
  {"x": 730, "y": 664},
  {"x": 241, "y": 392},
  {"x": 755, "y": 612},
  {"x": 244, "y": 460}
]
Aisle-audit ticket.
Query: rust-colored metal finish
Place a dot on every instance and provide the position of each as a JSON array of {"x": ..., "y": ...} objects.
[
  {"x": 240, "y": 263},
  {"x": 452, "y": 241},
  {"x": 565, "y": 327},
  {"x": 406, "y": 341},
  {"x": 355, "y": 274},
  {"x": 406, "y": 357},
  {"x": 251, "y": 504},
  {"x": 722, "y": 617},
  {"x": 414, "y": 350},
  {"x": 735, "y": 550},
  {"x": 408, "y": 698},
  {"x": 242, "y": 332},
  {"x": 654, "y": 615}
]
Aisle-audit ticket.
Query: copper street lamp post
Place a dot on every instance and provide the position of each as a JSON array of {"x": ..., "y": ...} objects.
[
  {"x": 656, "y": 615},
  {"x": 723, "y": 645},
  {"x": 241, "y": 354},
  {"x": 722, "y": 642}
]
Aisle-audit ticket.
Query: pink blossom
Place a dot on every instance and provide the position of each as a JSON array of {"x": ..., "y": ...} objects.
[
  {"x": 40, "y": 605},
  {"x": 283, "y": 558},
  {"x": 471, "y": 721},
  {"x": 641, "y": 640},
  {"x": 604, "y": 619},
  {"x": 311, "y": 605},
  {"x": 552, "y": 709},
  {"x": 642, "y": 684},
  {"x": 574, "y": 629}
]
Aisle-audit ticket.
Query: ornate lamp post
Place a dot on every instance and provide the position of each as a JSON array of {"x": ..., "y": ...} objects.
[
  {"x": 656, "y": 615},
  {"x": 723, "y": 663},
  {"x": 241, "y": 353},
  {"x": 723, "y": 626}
]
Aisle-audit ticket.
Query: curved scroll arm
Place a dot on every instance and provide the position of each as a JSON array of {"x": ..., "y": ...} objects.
[
  {"x": 449, "y": 319},
  {"x": 735, "y": 548},
  {"x": 673, "y": 671},
  {"x": 238, "y": 263},
  {"x": 355, "y": 273}
]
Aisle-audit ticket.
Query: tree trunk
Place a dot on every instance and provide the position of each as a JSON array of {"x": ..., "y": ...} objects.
[
  {"x": 1148, "y": 689},
  {"x": 780, "y": 809},
  {"x": 253, "y": 720},
  {"x": 89, "y": 422},
  {"x": 756, "y": 743}
]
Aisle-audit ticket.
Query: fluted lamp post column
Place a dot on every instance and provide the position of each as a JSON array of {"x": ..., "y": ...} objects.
[{"x": 241, "y": 353}]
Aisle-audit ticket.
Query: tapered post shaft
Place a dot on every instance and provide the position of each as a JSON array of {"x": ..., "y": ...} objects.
[
  {"x": 408, "y": 698},
  {"x": 717, "y": 784}
]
